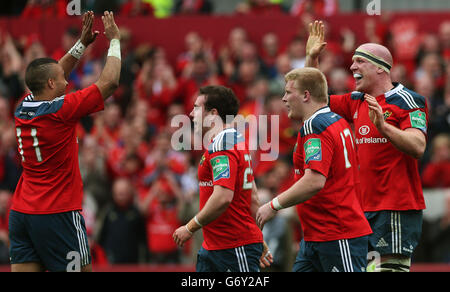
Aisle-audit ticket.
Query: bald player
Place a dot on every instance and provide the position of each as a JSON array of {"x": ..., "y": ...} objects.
[{"x": 390, "y": 123}]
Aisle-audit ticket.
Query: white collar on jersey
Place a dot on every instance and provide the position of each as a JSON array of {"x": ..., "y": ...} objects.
[
  {"x": 394, "y": 90},
  {"x": 325, "y": 109},
  {"x": 33, "y": 103}
]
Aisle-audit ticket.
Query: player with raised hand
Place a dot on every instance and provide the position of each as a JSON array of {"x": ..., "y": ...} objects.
[
  {"x": 228, "y": 199},
  {"x": 390, "y": 123},
  {"x": 326, "y": 190},
  {"x": 46, "y": 229}
]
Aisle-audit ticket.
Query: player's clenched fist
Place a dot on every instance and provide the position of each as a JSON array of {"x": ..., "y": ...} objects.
[{"x": 111, "y": 29}]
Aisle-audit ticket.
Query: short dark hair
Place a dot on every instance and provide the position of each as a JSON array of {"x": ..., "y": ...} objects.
[
  {"x": 222, "y": 99},
  {"x": 37, "y": 74}
]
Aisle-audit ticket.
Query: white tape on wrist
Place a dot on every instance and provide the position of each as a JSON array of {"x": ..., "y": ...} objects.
[
  {"x": 275, "y": 204},
  {"x": 77, "y": 50},
  {"x": 114, "y": 49}
]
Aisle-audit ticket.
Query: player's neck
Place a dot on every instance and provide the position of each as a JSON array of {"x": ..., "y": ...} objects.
[
  {"x": 312, "y": 110},
  {"x": 381, "y": 88},
  {"x": 44, "y": 96},
  {"x": 216, "y": 130}
]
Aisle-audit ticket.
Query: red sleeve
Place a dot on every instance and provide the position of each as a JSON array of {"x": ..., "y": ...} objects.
[
  {"x": 414, "y": 118},
  {"x": 81, "y": 103},
  {"x": 224, "y": 169},
  {"x": 318, "y": 153},
  {"x": 341, "y": 104}
]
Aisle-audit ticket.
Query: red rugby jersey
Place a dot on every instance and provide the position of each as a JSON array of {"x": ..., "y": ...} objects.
[
  {"x": 47, "y": 141},
  {"x": 325, "y": 144},
  {"x": 227, "y": 163},
  {"x": 390, "y": 179}
]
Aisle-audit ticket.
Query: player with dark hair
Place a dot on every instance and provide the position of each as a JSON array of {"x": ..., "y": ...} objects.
[
  {"x": 390, "y": 123},
  {"x": 326, "y": 190},
  {"x": 47, "y": 231},
  {"x": 228, "y": 200}
]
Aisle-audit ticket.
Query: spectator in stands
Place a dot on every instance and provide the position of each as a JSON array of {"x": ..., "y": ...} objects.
[
  {"x": 160, "y": 207},
  {"x": 193, "y": 7},
  {"x": 283, "y": 66},
  {"x": 132, "y": 8},
  {"x": 45, "y": 9},
  {"x": 122, "y": 231},
  {"x": 156, "y": 84},
  {"x": 436, "y": 173},
  {"x": 229, "y": 53},
  {"x": 5, "y": 199},
  {"x": 258, "y": 7},
  {"x": 340, "y": 81},
  {"x": 318, "y": 8},
  {"x": 11, "y": 69},
  {"x": 270, "y": 49},
  {"x": 444, "y": 37},
  {"x": 93, "y": 172},
  {"x": 296, "y": 52}
]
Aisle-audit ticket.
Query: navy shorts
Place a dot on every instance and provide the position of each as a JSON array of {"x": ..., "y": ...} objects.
[
  {"x": 345, "y": 255},
  {"x": 240, "y": 259},
  {"x": 394, "y": 232},
  {"x": 57, "y": 241}
]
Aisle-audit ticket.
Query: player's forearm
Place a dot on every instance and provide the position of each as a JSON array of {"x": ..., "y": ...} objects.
[
  {"x": 108, "y": 81},
  {"x": 68, "y": 63},
  {"x": 410, "y": 141},
  {"x": 70, "y": 59},
  {"x": 312, "y": 62},
  {"x": 303, "y": 190},
  {"x": 216, "y": 205}
]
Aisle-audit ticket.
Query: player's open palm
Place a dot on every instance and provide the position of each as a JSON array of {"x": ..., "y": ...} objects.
[
  {"x": 111, "y": 29},
  {"x": 315, "y": 43},
  {"x": 88, "y": 36},
  {"x": 375, "y": 111}
]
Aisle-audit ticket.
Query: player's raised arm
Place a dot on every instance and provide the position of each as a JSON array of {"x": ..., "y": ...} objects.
[
  {"x": 315, "y": 43},
  {"x": 109, "y": 78},
  {"x": 88, "y": 36}
]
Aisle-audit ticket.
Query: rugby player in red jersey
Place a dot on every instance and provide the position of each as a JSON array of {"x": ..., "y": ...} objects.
[
  {"x": 390, "y": 123},
  {"x": 47, "y": 231},
  {"x": 228, "y": 200},
  {"x": 326, "y": 190}
]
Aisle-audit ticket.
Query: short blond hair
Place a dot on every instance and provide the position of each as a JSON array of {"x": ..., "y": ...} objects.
[{"x": 310, "y": 79}]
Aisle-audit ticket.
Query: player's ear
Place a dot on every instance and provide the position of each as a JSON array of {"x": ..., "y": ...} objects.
[
  {"x": 51, "y": 83},
  {"x": 306, "y": 96}
]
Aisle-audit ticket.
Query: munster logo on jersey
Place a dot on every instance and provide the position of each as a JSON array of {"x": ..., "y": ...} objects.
[
  {"x": 221, "y": 167},
  {"x": 387, "y": 114},
  {"x": 313, "y": 150}
]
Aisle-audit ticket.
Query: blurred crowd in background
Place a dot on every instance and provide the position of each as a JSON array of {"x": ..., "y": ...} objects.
[{"x": 138, "y": 189}]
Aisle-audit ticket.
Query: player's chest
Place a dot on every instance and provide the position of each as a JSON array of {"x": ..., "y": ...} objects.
[
  {"x": 205, "y": 179},
  {"x": 363, "y": 125},
  {"x": 298, "y": 159}
]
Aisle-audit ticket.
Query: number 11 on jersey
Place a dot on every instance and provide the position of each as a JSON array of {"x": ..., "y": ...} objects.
[{"x": 37, "y": 150}]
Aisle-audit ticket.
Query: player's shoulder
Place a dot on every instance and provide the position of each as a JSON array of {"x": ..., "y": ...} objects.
[
  {"x": 29, "y": 108},
  {"x": 353, "y": 96},
  {"x": 319, "y": 122},
  {"x": 225, "y": 140},
  {"x": 405, "y": 98}
]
